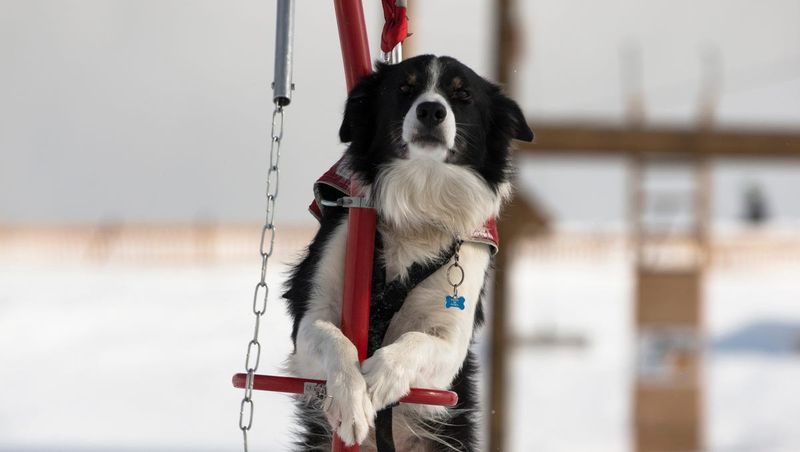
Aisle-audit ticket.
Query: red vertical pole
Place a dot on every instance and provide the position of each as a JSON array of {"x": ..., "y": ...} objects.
[
  {"x": 361, "y": 222},
  {"x": 353, "y": 40},
  {"x": 358, "y": 277}
]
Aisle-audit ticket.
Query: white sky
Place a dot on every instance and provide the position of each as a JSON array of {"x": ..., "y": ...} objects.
[{"x": 145, "y": 111}]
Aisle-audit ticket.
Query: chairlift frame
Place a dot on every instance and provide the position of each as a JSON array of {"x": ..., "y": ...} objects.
[{"x": 361, "y": 219}]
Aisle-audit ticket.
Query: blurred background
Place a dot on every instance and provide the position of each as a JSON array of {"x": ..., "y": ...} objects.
[{"x": 647, "y": 293}]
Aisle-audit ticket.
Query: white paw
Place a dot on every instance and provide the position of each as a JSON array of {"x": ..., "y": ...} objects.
[
  {"x": 348, "y": 407},
  {"x": 387, "y": 377}
]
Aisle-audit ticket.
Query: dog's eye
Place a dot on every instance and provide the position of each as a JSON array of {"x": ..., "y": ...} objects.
[
  {"x": 406, "y": 88},
  {"x": 462, "y": 94}
]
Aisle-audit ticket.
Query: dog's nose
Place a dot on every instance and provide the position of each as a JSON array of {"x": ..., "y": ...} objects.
[{"x": 431, "y": 113}]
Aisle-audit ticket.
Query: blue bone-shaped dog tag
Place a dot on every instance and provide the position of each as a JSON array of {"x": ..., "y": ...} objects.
[{"x": 451, "y": 302}]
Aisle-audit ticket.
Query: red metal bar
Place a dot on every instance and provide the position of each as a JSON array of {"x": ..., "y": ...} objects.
[
  {"x": 361, "y": 222},
  {"x": 353, "y": 40},
  {"x": 358, "y": 277},
  {"x": 296, "y": 386}
]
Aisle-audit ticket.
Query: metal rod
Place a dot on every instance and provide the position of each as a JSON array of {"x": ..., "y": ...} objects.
[
  {"x": 358, "y": 277},
  {"x": 361, "y": 222},
  {"x": 282, "y": 85},
  {"x": 395, "y": 56},
  {"x": 298, "y": 385},
  {"x": 353, "y": 40}
]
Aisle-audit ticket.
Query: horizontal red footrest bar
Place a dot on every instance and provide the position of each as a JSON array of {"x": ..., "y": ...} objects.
[{"x": 298, "y": 386}]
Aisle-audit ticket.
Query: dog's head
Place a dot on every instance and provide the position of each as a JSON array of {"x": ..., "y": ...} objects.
[{"x": 433, "y": 108}]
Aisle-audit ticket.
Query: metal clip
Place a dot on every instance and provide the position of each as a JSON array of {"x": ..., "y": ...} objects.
[{"x": 348, "y": 202}]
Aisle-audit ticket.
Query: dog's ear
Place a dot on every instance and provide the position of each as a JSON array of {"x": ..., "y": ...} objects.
[
  {"x": 508, "y": 118},
  {"x": 359, "y": 111}
]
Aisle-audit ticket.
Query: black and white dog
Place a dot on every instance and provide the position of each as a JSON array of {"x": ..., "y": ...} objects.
[{"x": 430, "y": 143}]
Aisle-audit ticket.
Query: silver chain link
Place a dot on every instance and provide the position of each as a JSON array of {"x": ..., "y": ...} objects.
[{"x": 261, "y": 292}]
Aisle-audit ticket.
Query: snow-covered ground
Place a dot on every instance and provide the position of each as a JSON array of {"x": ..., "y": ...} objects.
[
  {"x": 133, "y": 358},
  {"x": 122, "y": 357},
  {"x": 579, "y": 398}
]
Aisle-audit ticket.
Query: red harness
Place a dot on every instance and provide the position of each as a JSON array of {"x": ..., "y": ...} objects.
[{"x": 338, "y": 178}]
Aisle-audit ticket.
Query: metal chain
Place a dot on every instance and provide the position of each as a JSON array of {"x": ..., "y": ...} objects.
[
  {"x": 456, "y": 266},
  {"x": 261, "y": 292}
]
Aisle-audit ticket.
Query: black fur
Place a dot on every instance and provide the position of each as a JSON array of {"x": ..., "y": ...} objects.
[
  {"x": 461, "y": 430},
  {"x": 300, "y": 282}
]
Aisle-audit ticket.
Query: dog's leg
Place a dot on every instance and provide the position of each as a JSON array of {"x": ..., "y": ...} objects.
[
  {"x": 391, "y": 370},
  {"x": 432, "y": 340},
  {"x": 347, "y": 406},
  {"x": 322, "y": 350}
]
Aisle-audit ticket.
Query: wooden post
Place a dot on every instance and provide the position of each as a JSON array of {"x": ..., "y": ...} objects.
[
  {"x": 505, "y": 46},
  {"x": 498, "y": 378},
  {"x": 520, "y": 220},
  {"x": 506, "y": 42},
  {"x": 668, "y": 392},
  {"x": 596, "y": 139}
]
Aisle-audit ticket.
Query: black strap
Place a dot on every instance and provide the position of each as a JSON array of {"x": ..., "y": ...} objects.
[{"x": 386, "y": 300}]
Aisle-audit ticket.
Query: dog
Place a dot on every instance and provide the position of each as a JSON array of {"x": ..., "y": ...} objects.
[{"x": 430, "y": 145}]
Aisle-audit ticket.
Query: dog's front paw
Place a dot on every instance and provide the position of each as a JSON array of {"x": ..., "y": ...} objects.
[
  {"x": 348, "y": 407},
  {"x": 387, "y": 377}
]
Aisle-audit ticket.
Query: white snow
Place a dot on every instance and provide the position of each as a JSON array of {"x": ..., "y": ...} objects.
[
  {"x": 139, "y": 357},
  {"x": 134, "y": 358}
]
